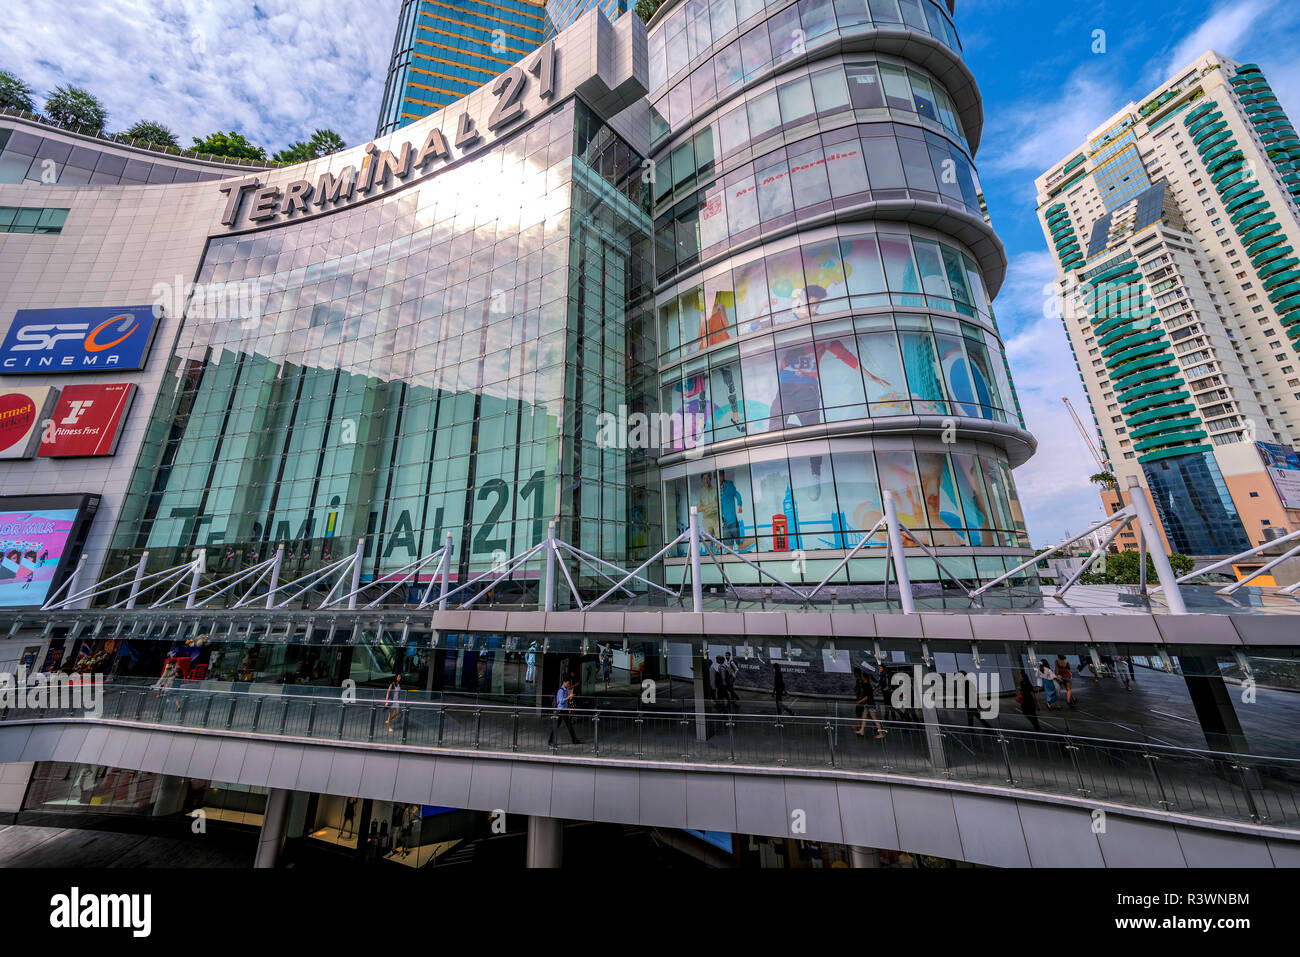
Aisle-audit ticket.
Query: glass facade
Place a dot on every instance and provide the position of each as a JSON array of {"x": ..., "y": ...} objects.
[
  {"x": 808, "y": 325},
  {"x": 1194, "y": 505},
  {"x": 562, "y": 13},
  {"x": 444, "y": 50},
  {"x": 433, "y": 361}
]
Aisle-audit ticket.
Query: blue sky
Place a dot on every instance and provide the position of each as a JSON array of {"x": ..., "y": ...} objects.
[{"x": 276, "y": 70}]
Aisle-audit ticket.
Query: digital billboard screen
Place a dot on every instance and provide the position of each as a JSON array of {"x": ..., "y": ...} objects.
[
  {"x": 1283, "y": 466},
  {"x": 41, "y": 537}
]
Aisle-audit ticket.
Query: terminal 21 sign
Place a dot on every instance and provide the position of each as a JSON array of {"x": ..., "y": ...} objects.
[
  {"x": 380, "y": 169},
  {"x": 92, "y": 339}
]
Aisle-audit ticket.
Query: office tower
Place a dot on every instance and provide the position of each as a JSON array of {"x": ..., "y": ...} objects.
[
  {"x": 1173, "y": 228},
  {"x": 561, "y": 13},
  {"x": 445, "y": 50}
]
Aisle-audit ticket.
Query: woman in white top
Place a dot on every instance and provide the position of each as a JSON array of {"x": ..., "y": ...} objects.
[{"x": 1047, "y": 681}]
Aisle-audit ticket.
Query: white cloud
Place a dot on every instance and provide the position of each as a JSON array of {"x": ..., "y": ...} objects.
[
  {"x": 1054, "y": 488},
  {"x": 274, "y": 70},
  {"x": 1036, "y": 132},
  {"x": 1224, "y": 30}
]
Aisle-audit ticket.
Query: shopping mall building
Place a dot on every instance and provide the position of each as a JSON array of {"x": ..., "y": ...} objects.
[{"x": 725, "y": 278}]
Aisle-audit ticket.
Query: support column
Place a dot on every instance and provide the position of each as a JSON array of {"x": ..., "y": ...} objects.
[
  {"x": 270, "y": 841},
  {"x": 700, "y": 671},
  {"x": 1213, "y": 703},
  {"x": 545, "y": 841},
  {"x": 864, "y": 856}
]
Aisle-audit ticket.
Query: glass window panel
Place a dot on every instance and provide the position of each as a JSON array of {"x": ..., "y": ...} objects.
[
  {"x": 862, "y": 265},
  {"x": 830, "y": 90},
  {"x": 752, "y": 306},
  {"x": 897, "y": 472},
  {"x": 690, "y": 411},
  {"x": 774, "y": 196},
  {"x": 817, "y": 18},
  {"x": 974, "y": 500},
  {"x": 747, "y": 8},
  {"x": 941, "y": 498},
  {"x": 840, "y": 374},
  {"x": 809, "y": 184},
  {"x": 916, "y": 164},
  {"x": 764, "y": 115},
  {"x": 728, "y": 70},
  {"x": 846, "y": 168},
  {"x": 787, "y": 35},
  {"x": 734, "y": 517},
  {"x": 997, "y": 489},
  {"x": 860, "y": 504},
  {"x": 728, "y": 400},
  {"x": 733, "y": 130},
  {"x": 670, "y": 335},
  {"x": 758, "y": 373},
  {"x": 796, "y": 100},
  {"x": 675, "y": 43},
  {"x": 882, "y": 367},
  {"x": 864, "y": 87},
  {"x": 813, "y": 504},
  {"x": 773, "y": 504},
  {"x": 954, "y": 270},
  {"x": 900, "y": 270},
  {"x": 713, "y": 217},
  {"x": 703, "y": 86},
  {"x": 824, "y": 272},
  {"x": 923, "y": 96},
  {"x": 755, "y": 51},
  {"x": 883, "y": 165},
  {"x": 913, "y": 15},
  {"x": 956, "y": 374},
  {"x": 786, "y": 287},
  {"x": 982, "y": 377},
  {"x": 742, "y": 203},
  {"x": 933, "y": 278},
  {"x": 691, "y": 305},
  {"x": 923, "y": 377},
  {"x": 898, "y": 92},
  {"x": 722, "y": 14},
  {"x": 884, "y": 11}
]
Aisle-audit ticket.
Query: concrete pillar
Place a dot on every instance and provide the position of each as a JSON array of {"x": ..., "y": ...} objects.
[
  {"x": 1213, "y": 703},
  {"x": 169, "y": 797},
  {"x": 545, "y": 841},
  {"x": 700, "y": 669},
  {"x": 270, "y": 841},
  {"x": 864, "y": 856}
]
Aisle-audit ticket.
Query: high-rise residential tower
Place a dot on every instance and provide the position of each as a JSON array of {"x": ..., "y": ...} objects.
[
  {"x": 1173, "y": 228},
  {"x": 444, "y": 50}
]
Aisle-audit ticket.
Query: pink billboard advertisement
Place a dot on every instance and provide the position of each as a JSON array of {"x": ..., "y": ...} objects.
[{"x": 31, "y": 546}]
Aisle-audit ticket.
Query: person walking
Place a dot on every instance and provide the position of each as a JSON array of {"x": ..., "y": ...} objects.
[
  {"x": 1124, "y": 668},
  {"x": 1064, "y": 677},
  {"x": 1025, "y": 698},
  {"x": 606, "y": 664},
  {"x": 349, "y": 817},
  {"x": 778, "y": 691},
  {"x": 563, "y": 708},
  {"x": 972, "y": 704},
  {"x": 1047, "y": 681},
  {"x": 392, "y": 701},
  {"x": 718, "y": 682},
  {"x": 864, "y": 704},
  {"x": 732, "y": 669},
  {"x": 530, "y": 660}
]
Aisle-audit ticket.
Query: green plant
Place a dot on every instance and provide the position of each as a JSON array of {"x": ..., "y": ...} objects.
[
  {"x": 14, "y": 93},
  {"x": 151, "y": 132},
  {"x": 228, "y": 144},
  {"x": 74, "y": 106}
]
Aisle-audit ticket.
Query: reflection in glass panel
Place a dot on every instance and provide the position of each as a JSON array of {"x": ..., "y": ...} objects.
[
  {"x": 956, "y": 373},
  {"x": 751, "y": 295},
  {"x": 737, "y": 524},
  {"x": 840, "y": 373},
  {"x": 898, "y": 474},
  {"x": 922, "y": 373},
  {"x": 773, "y": 504},
  {"x": 941, "y": 498},
  {"x": 760, "y": 392},
  {"x": 859, "y": 494},
  {"x": 974, "y": 500},
  {"x": 882, "y": 367},
  {"x": 787, "y": 296},
  {"x": 813, "y": 494}
]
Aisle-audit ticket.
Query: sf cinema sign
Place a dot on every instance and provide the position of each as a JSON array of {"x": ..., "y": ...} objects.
[{"x": 381, "y": 168}]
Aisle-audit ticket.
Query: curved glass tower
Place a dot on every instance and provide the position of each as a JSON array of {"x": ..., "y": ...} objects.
[{"x": 824, "y": 272}]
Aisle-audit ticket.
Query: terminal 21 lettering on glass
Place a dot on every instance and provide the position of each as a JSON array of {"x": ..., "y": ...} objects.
[{"x": 382, "y": 168}]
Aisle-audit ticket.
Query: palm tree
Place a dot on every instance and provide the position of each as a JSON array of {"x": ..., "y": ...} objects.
[{"x": 14, "y": 93}]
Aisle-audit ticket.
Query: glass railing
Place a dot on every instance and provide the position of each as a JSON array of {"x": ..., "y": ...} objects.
[{"x": 1217, "y": 785}]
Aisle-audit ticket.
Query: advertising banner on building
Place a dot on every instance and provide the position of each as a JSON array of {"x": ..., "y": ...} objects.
[
  {"x": 31, "y": 545},
  {"x": 1283, "y": 465},
  {"x": 21, "y": 413},
  {"x": 88, "y": 339},
  {"x": 87, "y": 420}
]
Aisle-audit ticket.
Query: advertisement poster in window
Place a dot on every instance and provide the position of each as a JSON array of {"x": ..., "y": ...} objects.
[{"x": 1283, "y": 465}]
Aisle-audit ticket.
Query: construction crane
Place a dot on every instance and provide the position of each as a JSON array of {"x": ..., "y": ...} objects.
[{"x": 1087, "y": 440}]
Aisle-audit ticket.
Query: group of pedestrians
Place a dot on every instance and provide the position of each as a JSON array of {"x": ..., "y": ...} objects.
[
  {"x": 1057, "y": 682},
  {"x": 722, "y": 682}
]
